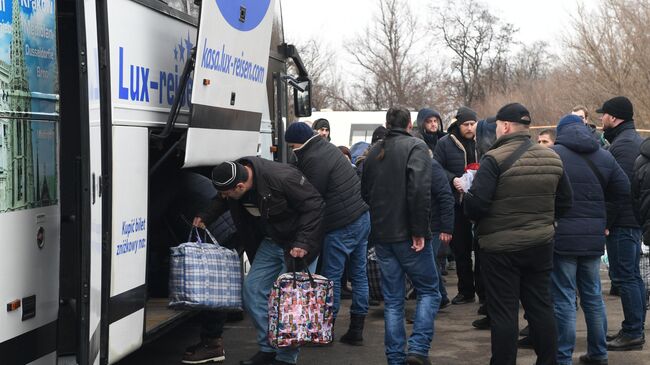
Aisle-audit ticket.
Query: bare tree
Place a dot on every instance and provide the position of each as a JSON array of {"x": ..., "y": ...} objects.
[
  {"x": 480, "y": 44},
  {"x": 392, "y": 69},
  {"x": 608, "y": 58},
  {"x": 328, "y": 90}
]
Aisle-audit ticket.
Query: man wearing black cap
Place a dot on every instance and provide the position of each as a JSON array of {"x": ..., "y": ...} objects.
[
  {"x": 277, "y": 213},
  {"x": 346, "y": 222},
  {"x": 624, "y": 240},
  {"x": 454, "y": 152},
  {"x": 518, "y": 191}
]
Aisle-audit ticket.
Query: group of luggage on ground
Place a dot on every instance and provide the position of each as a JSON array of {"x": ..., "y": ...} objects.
[{"x": 526, "y": 222}]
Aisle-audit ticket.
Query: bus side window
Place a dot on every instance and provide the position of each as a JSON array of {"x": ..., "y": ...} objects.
[{"x": 186, "y": 6}]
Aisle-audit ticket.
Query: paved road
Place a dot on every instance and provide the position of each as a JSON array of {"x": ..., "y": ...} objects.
[{"x": 455, "y": 341}]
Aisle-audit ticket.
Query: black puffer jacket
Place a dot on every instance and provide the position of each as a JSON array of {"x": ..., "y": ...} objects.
[
  {"x": 396, "y": 184},
  {"x": 641, "y": 189},
  {"x": 442, "y": 201},
  {"x": 335, "y": 179},
  {"x": 625, "y": 146},
  {"x": 454, "y": 153},
  {"x": 290, "y": 207}
]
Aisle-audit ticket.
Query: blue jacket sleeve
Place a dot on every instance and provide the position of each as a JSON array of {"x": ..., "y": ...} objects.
[{"x": 441, "y": 193}]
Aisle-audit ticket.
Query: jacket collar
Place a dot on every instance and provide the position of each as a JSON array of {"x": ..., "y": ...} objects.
[
  {"x": 307, "y": 145},
  {"x": 517, "y": 136},
  {"x": 612, "y": 133},
  {"x": 398, "y": 131}
]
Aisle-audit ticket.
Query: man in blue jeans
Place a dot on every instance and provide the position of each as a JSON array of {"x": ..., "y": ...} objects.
[
  {"x": 396, "y": 183},
  {"x": 277, "y": 213},
  {"x": 596, "y": 178},
  {"x": 346, "y": 221},
  {"x": 624, "y": 240}
]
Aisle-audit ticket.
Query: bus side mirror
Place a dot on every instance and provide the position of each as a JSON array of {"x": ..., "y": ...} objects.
[{"x": 301, "y": 97}]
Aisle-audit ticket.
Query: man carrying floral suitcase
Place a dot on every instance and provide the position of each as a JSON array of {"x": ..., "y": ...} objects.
[{"x": 277, "y": 213}]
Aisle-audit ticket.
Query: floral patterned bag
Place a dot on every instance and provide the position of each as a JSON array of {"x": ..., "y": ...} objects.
[{"x": 301, "y": 307}]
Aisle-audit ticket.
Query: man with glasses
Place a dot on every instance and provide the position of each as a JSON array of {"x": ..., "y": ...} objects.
[{"x": 454, "y": 152}]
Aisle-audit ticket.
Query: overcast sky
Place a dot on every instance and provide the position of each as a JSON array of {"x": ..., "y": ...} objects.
[{"x": 335, "y": 21}]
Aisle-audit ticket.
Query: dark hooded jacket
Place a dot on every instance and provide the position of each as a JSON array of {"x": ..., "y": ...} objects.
[
  {"x": 442, "y": 201},
  {"x": 290, "y": 207},
  {"x": 641, "y": 189},
  {"x": 431, "y": 139},
  {"x": 625, "y": 147},
  {"x": 454, "y": 152},
  {"x": 581, "y": 230},
  {"x": 486, "y": 135},
  {"x": 331, "y": 173}
]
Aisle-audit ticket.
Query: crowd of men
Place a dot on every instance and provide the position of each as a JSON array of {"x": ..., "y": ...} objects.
[{"x": 526, "y": 222}]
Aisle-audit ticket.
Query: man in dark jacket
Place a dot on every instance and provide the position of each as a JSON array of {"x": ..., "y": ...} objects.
[
  {"x": 595, "y": 178},
  {"x": 442, "y": 219},
  {"x": 429, "y": 127},
  {"x": 624, "y": 240},
  {"x": 516, "y": 195},
  {"x": 396, "y": 184},
  {"x": 641, "y": 189},
  {"x": 454, "y": 152},
  {"x": 277, "y": 213},
  {"x": 346, "y": 222}
]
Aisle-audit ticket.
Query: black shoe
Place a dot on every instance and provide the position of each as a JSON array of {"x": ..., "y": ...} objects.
[
  {"x": 482, "y": 324},
  {"x": 413, "y": 359},
  {"x": 525, "y": 332},
  {"x": 586, "y": 359},
  {"x": 444, "y": 302},
  {"x": 525, "y": 343},
  {"x": 613, "y": 337},
  {"x": 260, "y": 358},
  {"x": 482, "y": 310},
  {"x": 462, "y": 299},
  {"x": 625, "y": 343},
  {"x": 354, "y": 335},
  {"x": 208, "y": 350}
]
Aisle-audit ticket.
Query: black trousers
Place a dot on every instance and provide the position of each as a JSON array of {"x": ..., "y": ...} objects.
[
  {"x": 212, "y": 323},
  {"x": 513, "y": 276},
  {"x": 462, "y": 245}
]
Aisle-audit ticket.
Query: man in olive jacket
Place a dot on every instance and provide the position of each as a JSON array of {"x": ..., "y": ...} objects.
[
  {"x": 277, "y": 213},
  {"x": 396, "y": 184},
  {"x": 516, "y": 195}
]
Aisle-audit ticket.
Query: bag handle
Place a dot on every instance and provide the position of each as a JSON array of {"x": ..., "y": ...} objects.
[
  {"x": 194, "y": 231},
  {"x": 295, "y": 279}
]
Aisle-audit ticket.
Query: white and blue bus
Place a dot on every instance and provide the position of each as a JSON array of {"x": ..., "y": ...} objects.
[{"x": 96, "y": 123}]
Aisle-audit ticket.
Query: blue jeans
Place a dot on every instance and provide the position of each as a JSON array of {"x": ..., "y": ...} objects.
[
  {"x": 624, "y": 252},
  {"x": 395, "y": 260},
  {"x": 435, "y": 244},
  {"x": 349, "y": 241},
  {"x": 582, "y": 272},
  {"x": 267, "y": 266}
]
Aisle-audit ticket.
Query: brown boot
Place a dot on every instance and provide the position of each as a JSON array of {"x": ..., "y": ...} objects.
[{"x": 208, "y": 350}]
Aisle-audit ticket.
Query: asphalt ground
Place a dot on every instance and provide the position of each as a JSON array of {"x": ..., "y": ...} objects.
[{"x": 455, "y": 340}]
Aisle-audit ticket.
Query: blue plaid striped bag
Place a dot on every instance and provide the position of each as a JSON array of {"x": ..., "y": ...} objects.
[{"x": 204, "y": 276}]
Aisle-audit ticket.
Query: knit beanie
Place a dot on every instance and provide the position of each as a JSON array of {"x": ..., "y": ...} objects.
[
  {"x": 619, "y": 107},
  {"x": 227, "y": 175},
  {"x": 298, "y": 132},
  {"x": 568, "y": 119},
  {"x": 321, "y": 123},
  {"x": 465, "y": 114},
  {"x": 514, "y": 112}
]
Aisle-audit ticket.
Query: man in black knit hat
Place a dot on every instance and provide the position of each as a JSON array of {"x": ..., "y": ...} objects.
[
  {"x": 454, "y": 152},
  {"x": 277, "y": 213},
  {"x": 624, "y": 239},
  {"x": 322, "y": 127}
]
